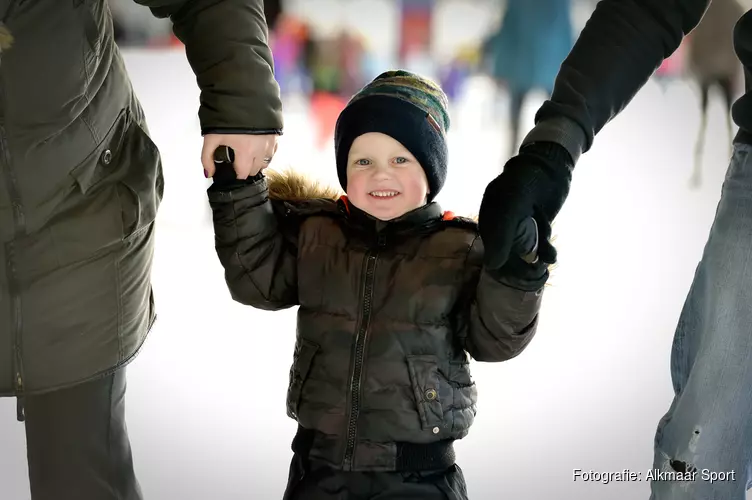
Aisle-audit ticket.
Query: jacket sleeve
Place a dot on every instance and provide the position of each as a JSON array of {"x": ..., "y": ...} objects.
[
  {"x": 503, "y": 319},
  {"x": 226, "y": 43},
  {"x": 620, "y": 47},
  {"x": 256, "y": 242}
]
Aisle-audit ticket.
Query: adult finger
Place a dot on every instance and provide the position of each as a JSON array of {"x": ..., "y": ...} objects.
[
  {"x": 263, "y": 161},
  {"x": 245, "y": 163},
  {"x": 211, "y": 142}
]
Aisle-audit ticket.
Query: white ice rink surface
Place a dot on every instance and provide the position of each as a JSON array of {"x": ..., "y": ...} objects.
[{"x": 206, "y": 397}]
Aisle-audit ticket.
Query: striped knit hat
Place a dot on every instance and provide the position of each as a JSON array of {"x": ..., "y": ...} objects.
[{"x": 407, "y": 107}]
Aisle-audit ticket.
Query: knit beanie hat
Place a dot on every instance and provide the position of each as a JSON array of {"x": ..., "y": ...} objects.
[{"x": 407, "y": 107}]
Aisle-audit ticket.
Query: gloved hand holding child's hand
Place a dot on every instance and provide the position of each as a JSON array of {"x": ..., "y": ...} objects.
[{"x": 535, "y": 183}]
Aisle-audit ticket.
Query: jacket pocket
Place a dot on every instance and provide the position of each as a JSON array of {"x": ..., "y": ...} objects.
[
  {"x": 305, "y": 351},
  {"x": 142, "y": 179},
  {"x": 428, "y": 390},
  {"x": 96, "y": 168},
  {"x": 128, "y": 160},
  {"x": 91, "y": 219}
]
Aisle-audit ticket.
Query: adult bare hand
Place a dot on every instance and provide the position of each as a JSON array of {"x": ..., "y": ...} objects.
[{"x": 253, "y": 153}]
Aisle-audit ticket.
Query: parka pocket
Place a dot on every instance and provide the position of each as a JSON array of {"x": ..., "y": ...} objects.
[
  {"x": 128, "y": 159},
  {"x": 305, "y": 351},
  {"x": 143, "y": 179},
  {"x": 428, "y": 390},
  {"x": 96, "y": 168}
]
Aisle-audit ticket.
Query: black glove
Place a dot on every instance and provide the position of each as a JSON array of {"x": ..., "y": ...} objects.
[{"x": 535, "y": 183}]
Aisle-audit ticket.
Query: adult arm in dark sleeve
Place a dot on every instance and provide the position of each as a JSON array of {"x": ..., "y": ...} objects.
[
  {"x": 227, "y": 47},
  {"x": 620, "y": 47}
]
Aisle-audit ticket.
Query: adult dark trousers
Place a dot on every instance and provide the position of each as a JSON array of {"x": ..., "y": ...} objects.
[{"x": 77, "y": 443}]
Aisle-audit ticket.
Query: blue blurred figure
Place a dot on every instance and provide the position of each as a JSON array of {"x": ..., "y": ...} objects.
[{"x": 526, "y": 51}]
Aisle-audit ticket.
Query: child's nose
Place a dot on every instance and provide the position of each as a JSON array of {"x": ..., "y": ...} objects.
[{"x": 381, "y": 172}]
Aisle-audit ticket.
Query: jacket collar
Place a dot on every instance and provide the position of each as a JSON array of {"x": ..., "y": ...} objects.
[{"x": 415, "y": 221}]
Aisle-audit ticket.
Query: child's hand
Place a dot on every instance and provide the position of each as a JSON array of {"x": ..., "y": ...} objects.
[
  {"x": 523, "y": 269},
  {"x": 526, "y": 241}
]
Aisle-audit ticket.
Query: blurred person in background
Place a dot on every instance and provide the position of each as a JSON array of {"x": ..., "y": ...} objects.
[
  {"x": 524, "y": 53},
  {"x": 672, "y": 69},
  {"x": 707, "y": 426},
  {"x": 712, "y": 63},
  {"x": 338, "y": 72},
  {"x": 290, "y": 44},
  {"x": 454, "y": 75},
  {"x": 80, "y": 186}
]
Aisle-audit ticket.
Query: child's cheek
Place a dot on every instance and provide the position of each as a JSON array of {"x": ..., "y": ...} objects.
[
  {"x": 353, "y": 184},
  {"x": 418, "y": 192},
  {"x": 356, "y": 189}
]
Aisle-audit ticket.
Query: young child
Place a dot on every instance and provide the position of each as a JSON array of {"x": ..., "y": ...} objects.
[{"x": 393, "y": 296}]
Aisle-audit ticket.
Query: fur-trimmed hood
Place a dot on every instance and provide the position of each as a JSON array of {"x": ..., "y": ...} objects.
[{"x": 289, "y": 185}]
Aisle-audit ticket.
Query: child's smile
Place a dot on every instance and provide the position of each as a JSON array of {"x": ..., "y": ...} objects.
[{"x": 383, "y": 178}]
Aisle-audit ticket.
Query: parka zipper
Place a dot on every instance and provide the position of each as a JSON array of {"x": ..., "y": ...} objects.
[
  {"x": 360, "y": 344},
  {"x": 19, "y": 228}
]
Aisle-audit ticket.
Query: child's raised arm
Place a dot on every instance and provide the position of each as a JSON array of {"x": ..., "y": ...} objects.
[
  {"x": 256, "y": 243},
  {"x": 503, "y": 311}
]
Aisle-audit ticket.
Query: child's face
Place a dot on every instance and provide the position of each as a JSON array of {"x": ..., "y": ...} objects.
[{"x": 383, "y": 178}]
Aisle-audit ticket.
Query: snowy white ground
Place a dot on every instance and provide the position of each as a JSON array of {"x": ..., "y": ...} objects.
[{"x": 206, "y": 396}]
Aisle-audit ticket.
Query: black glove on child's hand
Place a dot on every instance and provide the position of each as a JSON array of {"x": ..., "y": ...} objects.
[{"x": 535, "y": 183}]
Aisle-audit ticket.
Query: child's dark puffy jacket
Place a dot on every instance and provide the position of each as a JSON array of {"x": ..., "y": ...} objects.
[{"x": 387, "y": 314}]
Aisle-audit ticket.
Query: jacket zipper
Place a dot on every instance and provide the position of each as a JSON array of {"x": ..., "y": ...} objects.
[
  {"x": 360, "y": 344},
  {"x": 19, "y": 226}
]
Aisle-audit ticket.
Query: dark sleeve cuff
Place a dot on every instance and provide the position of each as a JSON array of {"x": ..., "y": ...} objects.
[
  {"x": 264, "y": 131},
  {"x": 561, "y": 131}
]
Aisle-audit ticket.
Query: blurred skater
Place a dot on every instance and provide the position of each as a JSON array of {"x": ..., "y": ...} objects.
[
  {"x": 526, "y": 51},
  {"x": 712, "y": 62}
]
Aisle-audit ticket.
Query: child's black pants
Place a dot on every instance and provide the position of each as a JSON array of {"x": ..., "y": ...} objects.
[{"x": 312, "y": 480}]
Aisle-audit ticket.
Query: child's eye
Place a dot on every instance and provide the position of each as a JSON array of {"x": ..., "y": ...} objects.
[
  {"x": 400, "y": 160},
  {"x": 363, "y": 162}
]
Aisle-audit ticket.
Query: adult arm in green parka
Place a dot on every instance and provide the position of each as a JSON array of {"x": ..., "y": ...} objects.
[
  {"x": 226, "y": 44},
  {"x": 256, "y": 242}
]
